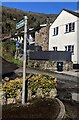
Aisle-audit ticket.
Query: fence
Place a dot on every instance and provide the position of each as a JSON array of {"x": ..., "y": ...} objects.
[{"x": 51, "y": 55}]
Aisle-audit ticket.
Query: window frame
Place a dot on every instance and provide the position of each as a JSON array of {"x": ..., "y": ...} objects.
[
  {"x": 70, "y": 27},
  {"x": 55, "y": 31},
  {"x": 55, "y": 48},
  {"x": 71, "y": 49}
]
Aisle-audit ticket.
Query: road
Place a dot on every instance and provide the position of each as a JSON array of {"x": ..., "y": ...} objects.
[
  {"x": 66, "y": 84},
  {"x": 65, "y": 81},
  {"x": 59, "y": 76}
]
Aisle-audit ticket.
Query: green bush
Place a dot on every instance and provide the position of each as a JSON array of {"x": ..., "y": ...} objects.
[
  {"x": 9, "y": 46},
  {"x": 45, "y": 82},
  {"x": 10, "y": 88}
]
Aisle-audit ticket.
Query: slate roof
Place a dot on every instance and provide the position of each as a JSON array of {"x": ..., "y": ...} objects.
[
  {"x": 72, "y": 12},
  {"x": 69, "y": 11}
]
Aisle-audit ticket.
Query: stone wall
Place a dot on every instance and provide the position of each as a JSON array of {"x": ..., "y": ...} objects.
[
  {"x": 49, "y": 65},
  {"x": 41, "y": 38},
  {"x": 39, "y": 94}
]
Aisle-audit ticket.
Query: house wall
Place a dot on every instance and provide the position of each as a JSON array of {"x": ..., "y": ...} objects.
[
  {"x": 63, "y": 39},
  {"x": 31, "y": 37},
  {"x": 78, "y": 40},
  {"x": 20, "y": 39},
  {"x": 38, "y": 40}
]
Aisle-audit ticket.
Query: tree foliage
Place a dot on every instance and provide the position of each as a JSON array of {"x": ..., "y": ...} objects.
[
  {"x": 9, "y": 47},
  {"x": 9, "y": 15}
]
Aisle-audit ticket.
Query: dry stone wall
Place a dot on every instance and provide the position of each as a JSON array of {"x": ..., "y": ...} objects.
[{"x": 49, "y": 65}]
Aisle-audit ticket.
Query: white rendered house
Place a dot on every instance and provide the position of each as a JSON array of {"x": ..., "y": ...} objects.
[{"x": 64, "y": 34}]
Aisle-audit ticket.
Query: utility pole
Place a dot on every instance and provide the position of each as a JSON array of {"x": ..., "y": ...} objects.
[{"x": 24, "y": 60}]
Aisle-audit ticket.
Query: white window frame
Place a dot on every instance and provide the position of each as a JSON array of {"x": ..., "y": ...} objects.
[
  {"x": 55, "y": 48},
  {"x": 71, "y": 49},
  {"x": 70, "y": 27},
  {"x": 55, "y": 31}
]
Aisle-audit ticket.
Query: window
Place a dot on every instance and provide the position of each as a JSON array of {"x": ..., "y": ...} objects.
[
  {"x": 55, "y": 31},
  {"x": 65, "y": 48},
  {"x": 73, "y": 26},
  {"x": 70, "y": 48},
  {"x": 70, "y": 27},
  {"x": 66, "y": 28},
  {"x": 55, "y": 48}
]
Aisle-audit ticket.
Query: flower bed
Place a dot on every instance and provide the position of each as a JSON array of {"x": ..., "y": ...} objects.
[
  {"x": 40, "y": 109},
  {"x": 42, "y": 85},
  {"x": 38, "y": 86}
]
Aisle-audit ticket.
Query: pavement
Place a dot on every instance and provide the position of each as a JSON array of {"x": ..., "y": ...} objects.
[
  {"x": 74, "y": 73},
  {"x": 67, "y": 76}
]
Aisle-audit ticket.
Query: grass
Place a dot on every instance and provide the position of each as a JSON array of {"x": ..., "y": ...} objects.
[
  {"x": 7, "y": 52},
  {"x": 12, "y": 59}
]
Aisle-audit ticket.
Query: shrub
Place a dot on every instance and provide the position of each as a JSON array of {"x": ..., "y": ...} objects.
[
  {"x": 10, "y": 88},
  {"x": 35, "y": 82},
  {"x": 45, "y": 82}
]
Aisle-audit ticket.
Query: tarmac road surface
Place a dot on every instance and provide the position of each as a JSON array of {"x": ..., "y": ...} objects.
[{"x": 60, "y": 76}]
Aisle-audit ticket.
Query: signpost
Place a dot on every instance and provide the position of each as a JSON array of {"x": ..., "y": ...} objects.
[
  {"x": 24, "y": 60},
  {"x": 20, "y": 24}
]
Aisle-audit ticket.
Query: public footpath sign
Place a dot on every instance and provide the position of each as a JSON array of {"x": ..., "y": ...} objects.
[{"x": 20, "y": 24}]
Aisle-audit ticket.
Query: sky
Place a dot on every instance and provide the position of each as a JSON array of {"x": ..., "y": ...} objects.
[{"x": 43, "y": 7}]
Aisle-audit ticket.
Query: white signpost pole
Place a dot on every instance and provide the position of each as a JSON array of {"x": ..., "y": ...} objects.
[{"x": 24, "y": 60}]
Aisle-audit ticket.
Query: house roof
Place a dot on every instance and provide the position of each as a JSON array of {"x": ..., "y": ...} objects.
[
  {"x": 72, "y": 12},
  {"x": 69, "y": 11}
]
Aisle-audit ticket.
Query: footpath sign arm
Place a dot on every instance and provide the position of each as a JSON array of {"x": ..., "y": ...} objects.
[{"x": 20, "y": 24}]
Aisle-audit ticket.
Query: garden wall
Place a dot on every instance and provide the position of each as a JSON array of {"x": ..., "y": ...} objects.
[{"x": 49, "y": 65}]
